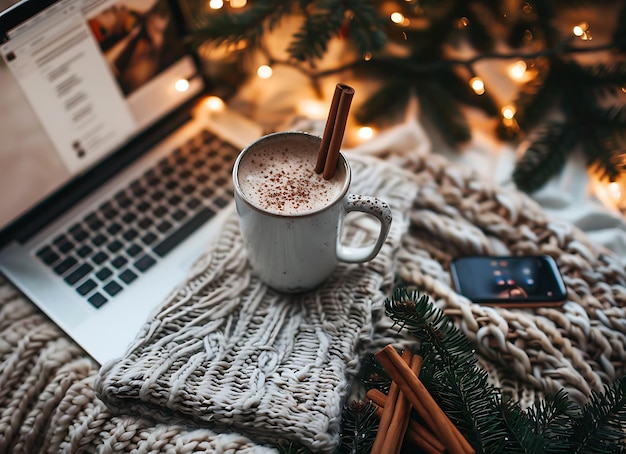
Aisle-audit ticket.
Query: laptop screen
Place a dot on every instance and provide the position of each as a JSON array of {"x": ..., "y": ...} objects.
[{"x": 79, "y": 80}]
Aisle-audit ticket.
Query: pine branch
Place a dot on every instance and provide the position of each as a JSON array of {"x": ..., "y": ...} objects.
[
  {"x": 601, "y": 426},
  {"x": 552, "y": 418},
  {"x": 439, "y": 106},
  {"x": 392, "y": 97},
  {"x": 544, "y": 158},
  {"x": 358, "y": 429}
]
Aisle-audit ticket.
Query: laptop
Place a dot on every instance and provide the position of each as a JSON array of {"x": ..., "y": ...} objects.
[{"x": 115, "y": 175}]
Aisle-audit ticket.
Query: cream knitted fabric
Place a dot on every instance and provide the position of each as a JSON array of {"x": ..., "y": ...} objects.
[
  {"x": 228, "y": 352},
  {"x": 47, "y": 399}
]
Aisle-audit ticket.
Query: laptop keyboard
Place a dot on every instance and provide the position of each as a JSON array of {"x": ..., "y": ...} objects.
[{"x": 125, "y": 236}]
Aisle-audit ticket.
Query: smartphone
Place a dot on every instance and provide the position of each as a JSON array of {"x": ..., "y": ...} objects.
[{"x": 526, "y": 281}]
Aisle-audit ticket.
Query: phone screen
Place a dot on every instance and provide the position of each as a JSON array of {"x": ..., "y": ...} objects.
[{"x": 516, "y": 281}]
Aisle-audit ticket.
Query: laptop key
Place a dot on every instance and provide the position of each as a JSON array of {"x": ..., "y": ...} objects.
[
  {"x": 149, "y": 238},
  {"x": 183, "y": 232},
  {"x": 115, "y": 246},
  {"x": 99, "y": 258},
  {"x": 47, "y": 255},
  {"x": 119, "y": 262},
  {"x": 144, "y": 263},
  {"x": 97, "y": 299},
  {"x": 86, "y": 287},
  {"x": 65, "y": 265},
  {"x": 127, "y": 276},
  {"x": 113, "y": 288},
  {"x": 134, "y": 250},
  {"x": 114, "y": 228},
  {"x": 79, "y": 273},
  {"x": 99, "y": 240},
  {"x": 84, "y": 251},
  {"x": 78, "y": 233},
  {"x": 104, "y": 273}
]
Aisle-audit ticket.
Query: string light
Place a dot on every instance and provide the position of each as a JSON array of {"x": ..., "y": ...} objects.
[
  {"x": 214, "y": 104},
  {"x": 477, "y": 85},
  {"x": 216, "y": 4},
  {"x": 508, "y": 112},
  {"x": 365, "y": 133},
  {"x": 582, "y": 31},
  {"x": 311, "y": 108},
  {"x": 238, "y": 3},
  {"x": 611, "y": 193},
  {"x": 367, "y": 56},
  {"x": 264, "y": 72},
  {"x": 182, "y": 85},
  {"x": 517, "y": 70},
  {"x": 399, "y": 18}
]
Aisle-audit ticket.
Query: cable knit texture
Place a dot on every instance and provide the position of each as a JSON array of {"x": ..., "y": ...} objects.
[
  {"x": 227, "y": 365},
  {"x": 228, "y": 352}
]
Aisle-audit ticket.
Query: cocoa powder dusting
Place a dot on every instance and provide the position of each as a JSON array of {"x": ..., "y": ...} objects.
[{"x": 283, "y": 180}]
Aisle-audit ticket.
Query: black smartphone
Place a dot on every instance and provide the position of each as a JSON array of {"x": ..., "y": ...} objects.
[{"x": 526, "y": 281}]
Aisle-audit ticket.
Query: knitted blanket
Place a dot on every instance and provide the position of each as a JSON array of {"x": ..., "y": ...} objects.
[
  {"x": 47, "y": 397},
  {"x": 226, "y": 351}
]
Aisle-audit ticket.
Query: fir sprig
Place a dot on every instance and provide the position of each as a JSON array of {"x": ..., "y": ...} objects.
[
  {"x": 490, "y": 421},
  {"x": 575, "y": 90}
]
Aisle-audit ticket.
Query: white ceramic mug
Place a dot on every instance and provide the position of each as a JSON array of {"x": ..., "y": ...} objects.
[{"x": 296, "y": 252}]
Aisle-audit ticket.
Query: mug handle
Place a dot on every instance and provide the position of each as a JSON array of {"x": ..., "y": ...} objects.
[{"x": 374, "y": 207}]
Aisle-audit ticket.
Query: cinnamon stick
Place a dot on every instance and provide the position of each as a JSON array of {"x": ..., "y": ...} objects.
[
  {"x": 394, "y": 419},
  {"x": 422, "y": 401},
  {"x": 402, "y": 413},
  {"x": 328, "y": 130},
  {"x": 328, "y": 153},
  {"x": 418, "y": 434}
]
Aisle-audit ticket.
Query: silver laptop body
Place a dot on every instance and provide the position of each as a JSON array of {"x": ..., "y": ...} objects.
[{"x": 114, "y": 173}]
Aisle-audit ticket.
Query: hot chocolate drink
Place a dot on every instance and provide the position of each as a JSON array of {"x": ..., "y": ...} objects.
[{"x": 279, "y": 176}]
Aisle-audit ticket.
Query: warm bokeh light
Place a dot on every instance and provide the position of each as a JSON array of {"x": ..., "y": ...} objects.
[
  {"x": 582, "y": 31},
  {"x": 579, "y": 30},
  {"x": 462, "y": 22},
  {"x": 365, "y": 133},
  {"x": 614, "y": 190},
  {"x": 264, "y": 71},
  {"x": 312, "y": 108},
  {"x": 517, "y": 69},
  {"x": 182, "y": 85},
  {"x": 397, "y": 18},
  {"x": 508, "y": 112},
  {"x": 367, "y": 56},
  {"x": 215, "y": 104},
  {"x": 216, "y": 4},
  {"x": 238, "y": 3},
  {"x": 477, "y": 85}
]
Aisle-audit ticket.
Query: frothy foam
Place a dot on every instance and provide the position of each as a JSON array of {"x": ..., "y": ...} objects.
[{"x": 279, "y": 176}]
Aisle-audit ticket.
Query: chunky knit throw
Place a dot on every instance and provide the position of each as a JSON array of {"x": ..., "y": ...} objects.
[
  {"x": 227, "y": 352},
  {"x": 172, "y": 402}
]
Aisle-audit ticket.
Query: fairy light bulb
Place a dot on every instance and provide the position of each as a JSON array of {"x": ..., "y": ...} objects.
[
  {"x": 312, "y": 108},
  {"x": 614, "y": 190},
  {"x": 397, "y": 18},
  {"x": 517, "y": 70},
  {"x": 365, "y": 133},
  {"x": 181, "y": 85},
  {"x": 508, "y": 112},
  {"x": 238, "y": 3},
  {"x": 216, "y": 4},
  {"x": 264, "y": 72},
  {"x": 214, "y": 104},
  {"x": 582, "y": 31},
  {"x": 367, "y": 56},
  {"x": 477, "y": 85}
]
